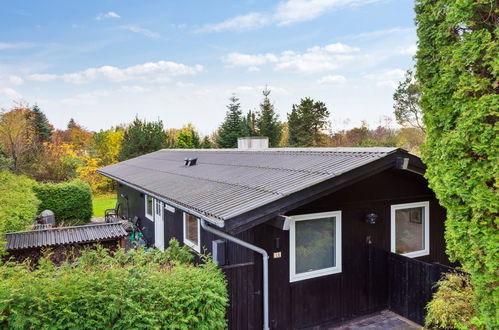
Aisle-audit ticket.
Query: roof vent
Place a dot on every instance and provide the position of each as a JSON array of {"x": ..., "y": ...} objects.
[{"x": 190, "y": 161}]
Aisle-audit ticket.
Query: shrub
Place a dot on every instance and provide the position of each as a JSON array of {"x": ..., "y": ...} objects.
[
  {"x": 18, "y": 203},
  {"x": 452, "y": 306},
  {"x": 138, "y": 289},
  {"x": 68, "y": 200}
]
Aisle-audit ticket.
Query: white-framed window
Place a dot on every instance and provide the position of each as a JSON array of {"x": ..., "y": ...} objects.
[
  {"x": 149, "y": 207},
  {"x": 410, "y": 229},
  {"x": 192, "y": 232},
  {"x": 314, "y": 245}
]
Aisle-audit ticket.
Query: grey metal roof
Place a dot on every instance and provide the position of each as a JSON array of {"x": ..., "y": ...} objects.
[
  {"x": 63, "y": 235},
  {"x": 229, "y": 182}
]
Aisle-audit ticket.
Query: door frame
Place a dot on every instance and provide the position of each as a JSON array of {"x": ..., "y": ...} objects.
[{"x": 159, "y": 224}]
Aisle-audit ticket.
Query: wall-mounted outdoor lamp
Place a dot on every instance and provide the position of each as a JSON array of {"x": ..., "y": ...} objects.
[{"x": 371, "y": 218}]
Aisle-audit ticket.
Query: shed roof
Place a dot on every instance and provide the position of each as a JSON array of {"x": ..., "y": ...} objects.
[
  {"x": 63, "y": 235},
  {"x": 226, "y": 183}
]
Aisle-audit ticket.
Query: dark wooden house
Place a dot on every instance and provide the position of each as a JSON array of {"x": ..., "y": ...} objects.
[{"x": 303, "y": 235}]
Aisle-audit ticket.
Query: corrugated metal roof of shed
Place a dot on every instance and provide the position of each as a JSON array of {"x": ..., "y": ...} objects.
[
  {"x": 63, "y": 235},
  {"x": 229, "y": 182}
]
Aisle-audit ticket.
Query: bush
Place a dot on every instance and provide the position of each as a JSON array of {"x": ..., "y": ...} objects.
[
  {"x": 18, "y": 204},
  {"x": 138, "y": 289},
  {"x": 453, "y": 305},
  {"x": 69, "y": 201}
]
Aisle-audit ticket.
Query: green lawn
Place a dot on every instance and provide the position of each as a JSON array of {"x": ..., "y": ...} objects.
[{"x": 102, "y": 203}]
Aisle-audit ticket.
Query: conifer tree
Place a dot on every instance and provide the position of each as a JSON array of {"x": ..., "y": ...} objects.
[
  {"x": 233, "y": 126},
  {"x": 206, "y": 143},
  {"x": 307, "y": 123},
  {"x": 42, "y": 127},
  {"x": 268, "y": 121},
  {"x": 142, "y": 137}
]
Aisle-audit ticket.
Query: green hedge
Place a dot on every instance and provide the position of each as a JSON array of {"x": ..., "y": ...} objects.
[
  {"x": 134, "y": 290},
  {"x": 69, "y": 201},
  {"x": 18, "y": 203}
]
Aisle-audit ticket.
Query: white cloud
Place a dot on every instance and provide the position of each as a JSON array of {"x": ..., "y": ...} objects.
[
  {"x": 10, "y": 93},
  {"x": 285, "y": 13},
  {"x": 238, "y": 23},
  {"x": 88, "y": 98},
  {"x": 140, "y": 30},
  {"x": 388, "y": 78},
  {"x": 332, "y": 80},
  {"x": 15, "y": 45},
  {"x": 409, "y": 50},
  {"x": 380, "y": 33},
  {"x": 315, "y": 59},
  {"x": 184, "y": 84},
  {"x": 134, "y": 89},
  {"x": 15, "y": 80},
  {"x": 161, "y": 71},
  {"x": 109, "y": 14}
]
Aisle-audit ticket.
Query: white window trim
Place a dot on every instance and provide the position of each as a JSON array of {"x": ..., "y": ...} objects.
[
  {"x": 187, "y": 242},
  {"x": 293, "y": 277},
  {"x": 414, "y": 254},
  {"x": 149, "y": 216}
]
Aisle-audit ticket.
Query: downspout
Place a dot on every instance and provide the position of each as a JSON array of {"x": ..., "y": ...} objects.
[{"x": 265, "y": 259}]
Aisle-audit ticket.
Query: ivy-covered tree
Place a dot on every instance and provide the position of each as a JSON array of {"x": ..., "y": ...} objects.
[
  {"x": 142, "y": 137},
  {"x": 268, "y": 121},
  {"x": 457, "y": 67},
  {"x": 307, "y": 123},
  {"x": 42, "y": 127},
  {"x": 406, "y": 103},
  {"x": 233, "y": 126}
]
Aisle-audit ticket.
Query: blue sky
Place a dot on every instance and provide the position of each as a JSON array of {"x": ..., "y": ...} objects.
[{"x": 103, "y": 62}]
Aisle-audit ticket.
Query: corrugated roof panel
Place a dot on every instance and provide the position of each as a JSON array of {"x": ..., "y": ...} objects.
[
  {"x": 226, "y": 183},
  {"x": 63, "y": 235}
]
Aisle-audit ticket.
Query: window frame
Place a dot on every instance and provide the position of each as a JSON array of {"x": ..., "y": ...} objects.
[
  {"x": 293, "y": 276},
  {"x": 153, "y": 209},
  {"x": 192, "y": 245},
  {"x": 426, "y": 227}
]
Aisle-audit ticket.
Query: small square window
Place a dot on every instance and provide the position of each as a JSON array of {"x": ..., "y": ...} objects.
[
  {"x": 192, "y": 234},
  {"x": 315, "y": 245},
  {"x": 410, "y": 229},
  {"x": 149, "y": 207}
]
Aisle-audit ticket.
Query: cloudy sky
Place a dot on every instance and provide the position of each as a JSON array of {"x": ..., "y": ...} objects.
[{"x": 103, "y": 62}]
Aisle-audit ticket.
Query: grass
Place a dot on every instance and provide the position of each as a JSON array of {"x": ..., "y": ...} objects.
[{"x": 102, "y": 203}]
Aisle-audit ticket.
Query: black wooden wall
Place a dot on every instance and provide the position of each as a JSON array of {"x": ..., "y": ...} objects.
[{"x": 355, "y": 291}]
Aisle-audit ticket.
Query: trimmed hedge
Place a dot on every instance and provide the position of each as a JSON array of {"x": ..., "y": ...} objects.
[
  {"x": 18, "y": 204},
  {"x": 68, "y": 200},
  {"x": 130, "y": 290}
]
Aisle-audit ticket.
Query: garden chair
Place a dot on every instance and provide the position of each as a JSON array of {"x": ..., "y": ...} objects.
[{"x": 109, "y": 214}]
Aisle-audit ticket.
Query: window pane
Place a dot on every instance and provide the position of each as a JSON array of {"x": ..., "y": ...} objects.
[
  {"x": 158, "y": 208},
  {"x": 315, "y": 244},
  {"x": 409, "y": 225},
  {"x": 192, "y": 229},
  {"x": 149, "y": 205}
]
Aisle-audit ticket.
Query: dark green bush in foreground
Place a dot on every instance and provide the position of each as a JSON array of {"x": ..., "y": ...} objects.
[
  {"x": 68, "y": 200},
  {"x": 140, "y": 290}
]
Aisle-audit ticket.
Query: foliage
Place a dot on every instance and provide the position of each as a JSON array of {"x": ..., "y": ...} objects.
[
  {"x": 457, "y": 67},
  {"x": 233, "y": 126},
  {"x": 41, "y": 125},
  {"x": 250, "y": 124},
  {"x": 268, "y": 121},
  {"x": 68, "y": 200},
  {"x": 188, "y": 138},
  {"x": 106, "y": 145},
  {"x": 142, "y": 137},
  {"x": 18, "y": 204},
  {"x": 307, "y": 123},
  {"x": 17, "y": 136},
  {"x": 206, "y": 143},
  {"x": 130, "y": 290},
  {"x": 452, "y": 306},
  {"x": 55, "y": 163},
  {"x": 406, "y": 103},
  {"x": 76, "y": 135}
]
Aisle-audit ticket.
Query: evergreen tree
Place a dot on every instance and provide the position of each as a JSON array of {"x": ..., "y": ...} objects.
[
  {"x": 233, "y": 126},
  {"x": 42, "y": 127},
  {"x": 142, "y": 137},
  {"x": 206, "y": 143},
  {"x": 250, "y": 124},
  {"x": 307, "y": 123},
  {"x": 457, "y": 67},
  {"x": 268, "y": 121}
]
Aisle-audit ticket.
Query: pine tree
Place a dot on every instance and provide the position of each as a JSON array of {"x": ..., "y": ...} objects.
[
  {"x": 206, "y": 143},
  {"x": 142, "y": 137},
  {"x": 42, "y": 127},
  {"x": 268, "y": 121},
  {"x": 250, "y": 124},
  {"x": 233, "y": 126},
  {"x": 307, "y": 123}
]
